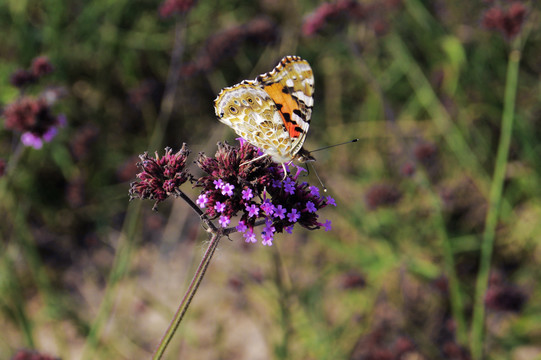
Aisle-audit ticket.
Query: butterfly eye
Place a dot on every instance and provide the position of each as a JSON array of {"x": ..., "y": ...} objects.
[{"x": 233, "y": 109}]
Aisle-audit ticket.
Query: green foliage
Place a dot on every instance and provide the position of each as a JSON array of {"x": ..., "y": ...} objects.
[{"x": 424, "y": 86}]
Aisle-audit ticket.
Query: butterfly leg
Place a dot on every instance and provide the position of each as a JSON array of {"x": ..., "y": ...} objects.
[
  {"x": 285, "y": 171},
  {"x": 257, "y": 158}
]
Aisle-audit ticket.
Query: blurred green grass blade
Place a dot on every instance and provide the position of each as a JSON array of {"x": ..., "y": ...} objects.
[
  {"x": 12, "y": 301},
  {"x": 427, "y": 97},
  {"x": 119, "y": 269},
  {"x": 495, "y": 199}
]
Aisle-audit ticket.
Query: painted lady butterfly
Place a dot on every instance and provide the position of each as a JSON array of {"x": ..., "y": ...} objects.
[{"x": 273, "y": 111}]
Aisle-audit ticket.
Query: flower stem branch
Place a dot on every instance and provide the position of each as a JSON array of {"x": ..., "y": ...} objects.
[{"x": 210, "y": 225}]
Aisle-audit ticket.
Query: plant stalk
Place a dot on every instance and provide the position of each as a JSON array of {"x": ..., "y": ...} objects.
[{"x": 495, "y": 198}]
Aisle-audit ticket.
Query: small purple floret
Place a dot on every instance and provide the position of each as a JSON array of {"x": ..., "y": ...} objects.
[
  {"x": 267, "y": 207},
  {"x": 218, "y": 184},
  {"x": 279, "y": 212},
  {"x": 219, "y": 207},
  {"x": 202, "y": 201},
  {"x": 310, "y": 207},
  {"x": 327, "y": 225},
  {"x": 249, "y": 236},
  {"x": 293, "y": 216},
  {"x": 289, "y": 186},
  {"x": 253, "y": 210},
  {"x": 29, "y": 139},
  {"x": 227, "y": 189},
  {"x": 247, "y": 194},
  {"x": 241, "y": 227},
  {"x": 330, "y": 201},
  {"x": 224, "y": 221}
]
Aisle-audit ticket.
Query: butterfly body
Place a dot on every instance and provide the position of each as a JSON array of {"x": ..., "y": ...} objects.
[{"x": 273, "y": 111}]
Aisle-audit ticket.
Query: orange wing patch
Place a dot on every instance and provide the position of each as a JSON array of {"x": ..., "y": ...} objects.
[
  {"x": 272, "y": 112},
  {"x": 286, "y": 106}
]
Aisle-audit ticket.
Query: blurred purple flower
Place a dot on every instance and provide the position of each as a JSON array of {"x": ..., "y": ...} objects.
[
  {"x": 509, "y": 22},
  {"x": 33, "y": 118},
  {"x": 21, "y": 78},
  {"x": 41, "y": 66},
  {"x": 2, "y": 167},
  {"x": 171, "y": 7},
  {"x": 382, "y": 195}
]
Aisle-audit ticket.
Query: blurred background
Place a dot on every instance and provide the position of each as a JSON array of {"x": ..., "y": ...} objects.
[{"x": 85, "y": 274}]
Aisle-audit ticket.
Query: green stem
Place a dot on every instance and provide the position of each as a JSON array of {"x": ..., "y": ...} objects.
[
  {"x": 477, "y": 331},
  {"x": 457, "y": 306},
  {"x": 192, "y": 289}
]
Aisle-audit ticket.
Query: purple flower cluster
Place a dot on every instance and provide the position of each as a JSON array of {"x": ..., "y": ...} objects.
[
  {"x": 508, "y": 21},
  {"x": 24, "y": 354},
  {"x": 160, "y": 176},
  {"x": 34, "y": 119},
  {"x": 338, "y": 13},
  {"x": 328, "y": 12},
  {"x": 219, "y": 47},
  {"x": 170, "y": 7},
  {"x": 32, "y": 116},
  {"x": 41, "y": 66},
  {"x": 257, "y": 191}
]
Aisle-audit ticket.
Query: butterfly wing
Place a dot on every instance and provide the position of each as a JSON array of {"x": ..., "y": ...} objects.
[
  {"x": 254, "y": 116},
  {"x": 291, "y": 86}
]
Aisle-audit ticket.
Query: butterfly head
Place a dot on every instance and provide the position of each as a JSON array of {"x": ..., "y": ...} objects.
[{"x": 304, "y": 156}]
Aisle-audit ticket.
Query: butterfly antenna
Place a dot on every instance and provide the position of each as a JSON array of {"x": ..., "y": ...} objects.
[
  {"x": 318, "y": 178},
  {"x": 331, "y": 146}
]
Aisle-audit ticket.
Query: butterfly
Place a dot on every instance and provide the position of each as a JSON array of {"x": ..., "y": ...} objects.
[{"x": 272, "y": 112}]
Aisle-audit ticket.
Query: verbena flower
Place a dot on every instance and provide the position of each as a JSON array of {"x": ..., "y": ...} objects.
[
  {"x": 33, "y": 118},
  {"x": 338, "y": 13},
  {"x": 382, "y": 195},
  {"x": 501, "y": 296},
  {"x": 161, "y": 176},
  {"x": 41, "y": 66},
  {"x": 171, "y": 7},
  {"x": 507, "y": 21},
  {"x": 335, "y": 12},
  {"x": 24, "y": 354},
  {"x": 257, "y": 192},
  {"x": 21, "y": 78},
  {"x": 223, "y": 45}
]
